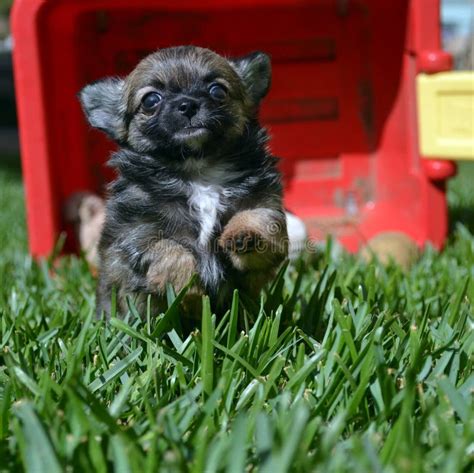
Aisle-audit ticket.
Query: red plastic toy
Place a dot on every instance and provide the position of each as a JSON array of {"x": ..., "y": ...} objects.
[{"x": 342, "y": 108}]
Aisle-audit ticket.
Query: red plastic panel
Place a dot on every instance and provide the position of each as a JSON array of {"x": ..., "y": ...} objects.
[{"x": 341, "y": 109}]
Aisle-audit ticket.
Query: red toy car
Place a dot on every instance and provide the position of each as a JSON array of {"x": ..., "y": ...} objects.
[{"x": 342, "y": 109}]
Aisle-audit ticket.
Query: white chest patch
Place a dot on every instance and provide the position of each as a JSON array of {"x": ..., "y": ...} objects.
[{"x": 205, "y": 202}]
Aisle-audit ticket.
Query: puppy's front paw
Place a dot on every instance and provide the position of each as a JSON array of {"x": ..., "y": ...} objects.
[
  {"x": 255, "y": 240},
  {"x": 172, "y": 264}
]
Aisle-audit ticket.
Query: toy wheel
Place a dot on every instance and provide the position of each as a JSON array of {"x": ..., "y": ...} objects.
[{"x": 391, "y": 246}]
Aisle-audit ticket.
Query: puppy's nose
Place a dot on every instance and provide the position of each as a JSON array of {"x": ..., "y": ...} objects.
[{"x": 188, "y": 107}]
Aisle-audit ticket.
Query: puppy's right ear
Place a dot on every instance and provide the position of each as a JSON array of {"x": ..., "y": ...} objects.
[{"x": 104, "y": 107}]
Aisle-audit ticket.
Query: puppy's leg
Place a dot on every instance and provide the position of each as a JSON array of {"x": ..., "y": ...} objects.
[
  {"x": 256, "y": 242},
  {"x": 158, "y": 264},
  {"x": 174, "y": 264},
  {"x": 170, "y": 263}
]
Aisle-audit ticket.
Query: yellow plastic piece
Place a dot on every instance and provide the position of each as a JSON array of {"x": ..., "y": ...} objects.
[{"x": 446, "y": 114}]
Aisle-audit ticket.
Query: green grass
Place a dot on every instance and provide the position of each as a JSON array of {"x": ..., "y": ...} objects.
[{"x": 341, "y": 367}]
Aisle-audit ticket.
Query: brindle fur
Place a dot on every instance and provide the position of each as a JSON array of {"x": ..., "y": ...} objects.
[{"x": 151, "y": 235}]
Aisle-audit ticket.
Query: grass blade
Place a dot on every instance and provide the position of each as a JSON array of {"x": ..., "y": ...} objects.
[
  {"x": 115, "y": 371},
  {"x": 207, "y": 355},
  {"x": 37, "y": 450}
]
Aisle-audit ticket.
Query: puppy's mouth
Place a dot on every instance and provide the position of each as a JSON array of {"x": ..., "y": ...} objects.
[{"x": 192, "y": 136}]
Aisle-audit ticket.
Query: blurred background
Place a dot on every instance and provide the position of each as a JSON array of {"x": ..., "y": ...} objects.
[{"x": 457, "y": 21}]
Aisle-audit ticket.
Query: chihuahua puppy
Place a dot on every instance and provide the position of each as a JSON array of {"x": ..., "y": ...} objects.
[{"x": 197, "y": 189}]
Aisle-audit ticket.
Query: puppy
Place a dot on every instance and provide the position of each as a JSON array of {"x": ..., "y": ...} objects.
[{"x": 197, "y": 189}]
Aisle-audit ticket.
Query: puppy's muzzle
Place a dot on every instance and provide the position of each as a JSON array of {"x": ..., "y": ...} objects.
[{"x": 187, "y": 107}]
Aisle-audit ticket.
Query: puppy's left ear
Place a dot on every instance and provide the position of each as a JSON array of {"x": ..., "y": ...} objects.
[{"x": 255, "y": 70}]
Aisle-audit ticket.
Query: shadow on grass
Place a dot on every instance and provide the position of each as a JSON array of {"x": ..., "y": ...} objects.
[
  {"x": 464, "y": 215},
  {"x": 10, "y": 166},
  {"x": 461, "y": 197},
  {"x": 12, "y": 206}
]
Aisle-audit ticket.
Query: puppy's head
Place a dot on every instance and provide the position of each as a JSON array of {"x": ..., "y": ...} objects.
[{"x": 183, "y": 98}]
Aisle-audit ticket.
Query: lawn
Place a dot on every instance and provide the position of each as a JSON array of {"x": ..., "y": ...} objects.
[{"x": 342, "y": 366}]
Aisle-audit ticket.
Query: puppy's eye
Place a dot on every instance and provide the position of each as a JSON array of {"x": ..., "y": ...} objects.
[
  {"x": 217, "y": 91},
  {"x": 151, "y": 101}
]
